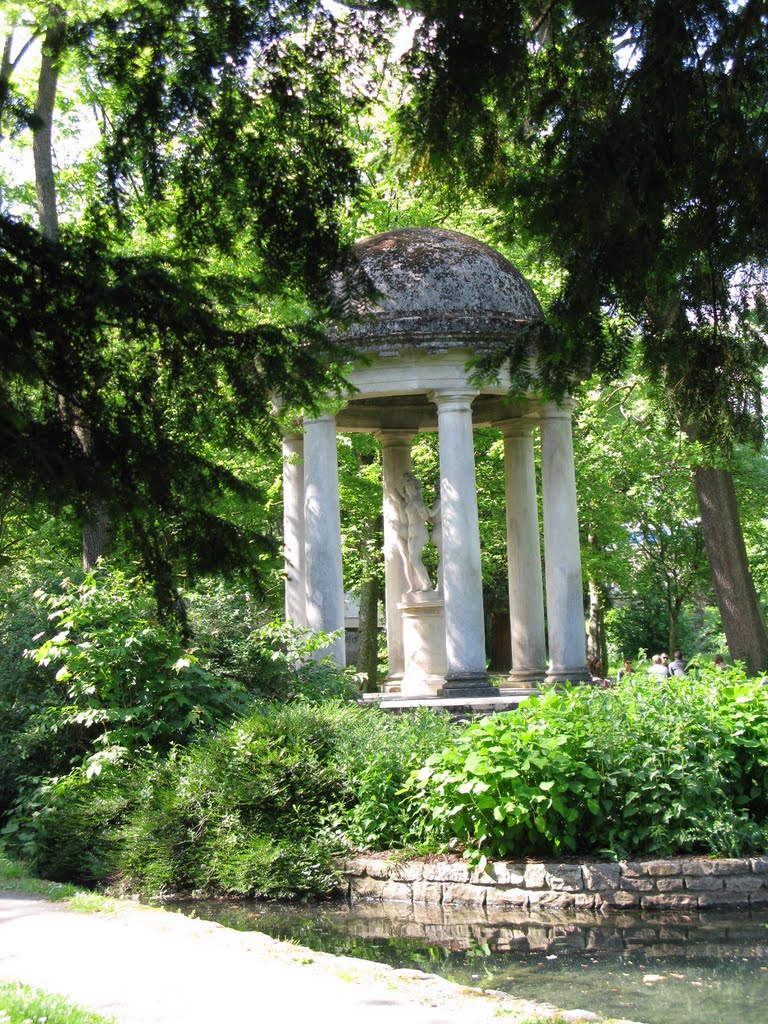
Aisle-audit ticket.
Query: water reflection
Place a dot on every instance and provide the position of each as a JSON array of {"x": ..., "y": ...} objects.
[{"x": 661, "y": 969}]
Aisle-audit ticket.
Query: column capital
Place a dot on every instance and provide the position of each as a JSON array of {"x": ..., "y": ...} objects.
[
  {"x": 557, "y": 410},
  {"x": 453, "y": 399},
  {"x": 516, "y": 427},
  {"x": 324, "y": 417},
  {"x": 389, "y": 438}
]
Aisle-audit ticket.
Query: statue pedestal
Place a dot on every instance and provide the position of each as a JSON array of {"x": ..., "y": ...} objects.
[{"x": 423, "y": 618}]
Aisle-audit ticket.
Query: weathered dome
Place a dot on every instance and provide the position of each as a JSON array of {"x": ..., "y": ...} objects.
[{"x": 436, "y": 288}]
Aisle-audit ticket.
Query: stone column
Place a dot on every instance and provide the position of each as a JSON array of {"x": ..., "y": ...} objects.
[
  {"x": 322, "y": 532},
  {"x": 395, "y": 460},
  {"x": 562, "y": 559},
  {"x": 526, "y": 590},
  {"x": 462, "y": 575},
  {"x": 293, "y": 529}
]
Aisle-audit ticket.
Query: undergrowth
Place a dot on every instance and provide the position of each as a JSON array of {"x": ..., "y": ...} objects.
[{"x": 670, "y": 767}]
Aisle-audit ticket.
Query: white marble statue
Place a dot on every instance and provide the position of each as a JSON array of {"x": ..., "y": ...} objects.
[{"x": 413, "y": 535}]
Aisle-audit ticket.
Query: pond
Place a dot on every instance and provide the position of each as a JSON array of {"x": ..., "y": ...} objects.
[{"x": 660, "y": 969}]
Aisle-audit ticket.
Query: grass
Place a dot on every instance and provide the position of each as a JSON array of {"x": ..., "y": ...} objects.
[
  {"x": 15, "y": 877},
  {"x": 20, "y": 1004}
]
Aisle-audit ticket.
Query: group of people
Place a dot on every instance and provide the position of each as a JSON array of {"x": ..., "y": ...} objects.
[{"x": 660, "y": 668}]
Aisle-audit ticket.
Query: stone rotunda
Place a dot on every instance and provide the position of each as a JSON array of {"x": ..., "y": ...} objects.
[{"x": 440, "y": 298}]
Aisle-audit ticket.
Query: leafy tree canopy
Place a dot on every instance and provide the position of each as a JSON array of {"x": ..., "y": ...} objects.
[{"x": 630, "y": 138}]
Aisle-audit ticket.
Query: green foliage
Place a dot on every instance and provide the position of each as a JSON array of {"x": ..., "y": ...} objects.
[
  {"x": 65, "y": 827},
  {"x": 270, "y": 658},
  {"x": 260, "y": 808},
  {"x": 27, "y": 690},
  {"x": 378, "y": 760},
  {"x": 128, "y": 677},
  {"x": 647, "y": 767},
  {"x": 20, "y": 1004}
]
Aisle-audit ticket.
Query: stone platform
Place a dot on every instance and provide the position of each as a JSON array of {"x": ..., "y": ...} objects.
[{"x": 508, "y": 699}]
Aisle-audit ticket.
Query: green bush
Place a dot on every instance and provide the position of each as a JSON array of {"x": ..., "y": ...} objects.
[
  {"x": 261, "y": 808},
  {"x": 68, "y": 828},
  {"x": 239, "y": 641},
  {"x": 129, "y": 678},
  {"x": 243, "y": 812},
  {"x": 378, "y": 758},
  {"x": 646, "y": 767},
  {"x": 265, "y": 807},
  {"x": 28, "y": 747}
]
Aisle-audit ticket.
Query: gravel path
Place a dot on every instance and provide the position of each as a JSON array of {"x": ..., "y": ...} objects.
[{"x": 148, "y": 966}]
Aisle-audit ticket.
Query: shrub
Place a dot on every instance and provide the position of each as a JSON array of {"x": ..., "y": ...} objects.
[
  {"x": 27, "y": 691},
  {"x": 261, "y": 808},
  {"x": 647, "y": 767},
  {"x": 270, "y": 658},
  {"x": 129, "y": 678},
  {"x": 244, "y": 811},
  {"x": 379, "y": 757},
  {"x": 265, "y": 807}
]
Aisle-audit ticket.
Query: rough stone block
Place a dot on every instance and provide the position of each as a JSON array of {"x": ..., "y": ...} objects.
[
  {"x": 564, "y": 877},
  {"x": 617, "y": 898},
  {"x": 704, "y": 883},
  {"x": 550, "y": 898},
  {"x": 673, "y": 884},
  {"x": 761, "y": 896},
  {"x": 506, "y": 897},
  {"x": 469, "y": 895},
  {"x": 397, "y": 892},
  {"x": 662, "y": 868},
  {"x": 584, "y": 900},
  {"x": 427, "y": 892},
  {"x": 535, "y": 876},
  {"x": 631, "y": 884},
  {"x": 631, "y": 868},
  {"x": 601, "y": 876},
  {"x": 723, "y": 899},
  {"x": 705, "y": 866},
  {"x": 500, "y": 873},
  {"x": 354, "y": 866},
  {"x": 377, "y": 867},
  {"x": 669, "y": 901},
  {"x": 446, "y": 871},
  {"x": 365, "y": 888},
  {"x": 406, "y": 871},
  {"x": 759, "y": 865},
  {"x": 745, "y": 883}
]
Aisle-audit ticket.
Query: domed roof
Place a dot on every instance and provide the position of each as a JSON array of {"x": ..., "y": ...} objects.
[{"x": 436, "y": 288}]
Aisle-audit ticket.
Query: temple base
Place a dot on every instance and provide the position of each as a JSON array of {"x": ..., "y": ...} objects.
[{"x": 468, "y": 685}]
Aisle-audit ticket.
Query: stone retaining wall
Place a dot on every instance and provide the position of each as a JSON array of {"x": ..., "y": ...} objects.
[{"x": 687, "y": 883}]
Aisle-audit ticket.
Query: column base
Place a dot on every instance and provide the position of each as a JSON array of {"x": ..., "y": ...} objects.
[
  {"x": 577, "y": 676},
  {"x": 392, "y": 684},
  {"x": 524, "y": 676},
  {"x": 470, "y": 684}
]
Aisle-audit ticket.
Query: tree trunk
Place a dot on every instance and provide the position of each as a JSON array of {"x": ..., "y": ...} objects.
[
  {"x": 737, "y": 600},
  {"x": 674, "y": 618},
  {"x": 501, "y": 642},
  {"x": 42, "y": 143},
  {"x": 368, "y": 634},
  {"x": 94, "y": 522},
  {"x": 597, "y": 646}
]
